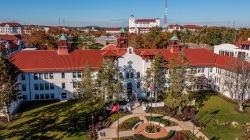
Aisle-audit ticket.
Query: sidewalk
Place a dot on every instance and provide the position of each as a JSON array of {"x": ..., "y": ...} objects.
[{"x": 138, "y": 111}]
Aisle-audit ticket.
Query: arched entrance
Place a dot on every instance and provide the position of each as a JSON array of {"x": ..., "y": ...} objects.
[
  {"x": 129, "y": 88},
  {"x": 130, "y": 95}
]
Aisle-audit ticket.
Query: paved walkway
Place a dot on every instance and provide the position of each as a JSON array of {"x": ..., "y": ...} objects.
[{"x": 112, "y": 131}]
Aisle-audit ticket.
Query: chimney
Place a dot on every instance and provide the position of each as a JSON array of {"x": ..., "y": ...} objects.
[{"x": 62, "y": 45}]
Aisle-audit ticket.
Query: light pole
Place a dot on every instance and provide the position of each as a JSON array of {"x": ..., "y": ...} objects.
[{"x": 92, "y": 118}]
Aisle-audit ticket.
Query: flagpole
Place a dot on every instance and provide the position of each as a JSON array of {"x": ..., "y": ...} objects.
[{"x": 118, "y": 122}]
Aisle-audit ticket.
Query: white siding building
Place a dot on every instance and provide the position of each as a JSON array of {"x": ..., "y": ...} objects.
[
  {"x": 142, "y": 25},
  {"x": 55, "y": 74},
  {"x": 10, "y": 28},
  {"x": 241, "y": 50}
]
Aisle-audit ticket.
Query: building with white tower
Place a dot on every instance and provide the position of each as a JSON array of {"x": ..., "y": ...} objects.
[{"x": 142, "y": 25}]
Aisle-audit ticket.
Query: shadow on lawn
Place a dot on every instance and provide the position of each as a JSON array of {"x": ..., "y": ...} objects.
[
  {"x": 201, "y": 96},
  {"x": 51, "y": 120}
]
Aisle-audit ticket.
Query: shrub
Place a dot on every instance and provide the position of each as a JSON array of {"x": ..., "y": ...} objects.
[
  {"x": 152, "y": 129},
  {"x": 129, "y": 124},
  {"x": 160, "y": 119},
  {"x": 171, "y": 134}
]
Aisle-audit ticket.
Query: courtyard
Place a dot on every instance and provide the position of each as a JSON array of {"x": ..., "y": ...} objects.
[{"x": 219, "y": 118}]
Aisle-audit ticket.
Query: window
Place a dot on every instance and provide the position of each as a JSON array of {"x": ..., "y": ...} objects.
[
  {"x": 130, "y": 51},
  {"x": 35, "y": 76},
  {"x": 46, "y": 86},
  {"x": 41, "y": 86},
  {"x": 63, "y": 86},
  {"x": 52, "y": 86},
  {"x": 198, "y": 70},
  {"x": 23, "y": 87},
  {"x": 211, "y": 69},
  {"x": 74, "y": 74},
  {"x": 138, "y": 75},
  {"x": 22, "y": 76},
  {"x": 79, "y": 75},
  {"x": 24, "y": 97},
  {"x": 46, "y": 76},
  {"x": 131, "y": 75},
  {"x": 37, "y": 96},
  {"x": 138, "y": 84},
  {"x": 40, "y": 76},
  {"x": 202, "y": 70},
  {"x": 120, "y": 75},
  {"x": 51, "y": 75},
  {"x": 63, "y": 75},
  {"x": 75, "y": 85},
  {"x": 46, "y": 96},
  {"x": 52, "y": 96},
  {"x": 127, "y": 75},
  {"x": 42, "y": 96},
  {"x": 64, "y": 95},
  {"x": 36, "y": 87}
]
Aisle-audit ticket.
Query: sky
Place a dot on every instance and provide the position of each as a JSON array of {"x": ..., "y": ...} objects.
[{"x": 114, "y": 13}]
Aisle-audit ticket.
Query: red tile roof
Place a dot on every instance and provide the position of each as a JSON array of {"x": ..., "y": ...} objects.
[
  {"x": 145, "y": 20},
  {"x": 12, "y": 24},
  {"x": 244, "y": 43},
  {"x": 175, "y": 25},
  {"x": 43, "y": 60},
  {"x": 10, "y": 37},
  {"x": 110, "y": 47},
  {"x": 191, "y": 27},
  {"x": 40, "y": 61}
]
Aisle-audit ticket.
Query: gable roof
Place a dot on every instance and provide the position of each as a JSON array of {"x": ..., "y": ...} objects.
[
  {"x": 43, "y": 60},
  {"x": 11, "y": 24},
  {"x": 50, "y": 61}
]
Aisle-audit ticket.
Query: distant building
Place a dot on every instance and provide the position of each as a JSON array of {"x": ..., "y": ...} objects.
[
  {"x": 10, "y": 28},
  {"x": 175, "y": 27},
  {"x": 113, "y": 30},
  {"x": 191, "y": 27},
  {"x": 240, "y": 50},
  {"x": 10, "y": 44},
  {"x": 105, "y": 40},
  {"x": 142, "y": 25},
  {"x": 10, "y": 38}
]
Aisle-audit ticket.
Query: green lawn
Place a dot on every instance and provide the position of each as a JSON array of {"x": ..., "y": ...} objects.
[
  {"x": 219, "y": 114},
  {"x": 52, "y": 121}
]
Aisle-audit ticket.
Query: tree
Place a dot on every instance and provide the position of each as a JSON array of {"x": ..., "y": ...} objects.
[
  {"x": 107, "y": 81},
  {"x": 77, "y": 42},
  {"x": 88, "y": 41},
  {"x": 86, "y": 90},
  {"x": 181, "y": 79},
  {"x": 155, "y": 76},
  {"x": 237, "y": 81},
  {"x": 8, "y": 84}
]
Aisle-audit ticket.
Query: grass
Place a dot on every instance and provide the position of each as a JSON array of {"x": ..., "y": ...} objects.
[
  {"x": 218, "y": 114},
  {"x": 129, "y": 124},
  {"x": 160, "y": 119},
  {"x": 48, "y": 121}
]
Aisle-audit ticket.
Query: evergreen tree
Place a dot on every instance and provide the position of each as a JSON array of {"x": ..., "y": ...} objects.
[
  {"x": 8, "y": 84},
  {"x": 86, "y": 91},
  {"x": 181, "y": 79},
  {"x": 156, "y": 76},
  {"x": 107, "y": 81}
]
